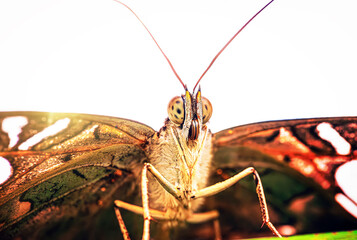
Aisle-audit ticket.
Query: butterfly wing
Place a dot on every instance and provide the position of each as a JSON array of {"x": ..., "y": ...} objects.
[
  {"x": 65, "y": 165},
  {"x": 297, "y": 161}
]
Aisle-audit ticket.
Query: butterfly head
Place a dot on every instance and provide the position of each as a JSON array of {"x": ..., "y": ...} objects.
[{"x": 190, "y": 112}]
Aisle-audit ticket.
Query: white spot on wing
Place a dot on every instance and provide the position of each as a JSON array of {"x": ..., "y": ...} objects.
[
  {"x": 13, "y": 127},
  {"x": 5, "y": 170},
  {"x": 346, "y": 204},
  {"x": 49, "y": 131},
  {"x": 346, "y": 178},
  {"x": 328, "y": 133}
]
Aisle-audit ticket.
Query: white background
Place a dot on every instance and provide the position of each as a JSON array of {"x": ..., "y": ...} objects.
[{"x": 298, "y": 59}]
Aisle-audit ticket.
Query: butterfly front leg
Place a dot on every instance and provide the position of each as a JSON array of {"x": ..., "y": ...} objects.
[{"x": 221, "y": 186}]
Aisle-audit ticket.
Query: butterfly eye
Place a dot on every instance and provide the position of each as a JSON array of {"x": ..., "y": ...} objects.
[
  {"x": 176, "y": 110},
  {"x": 206, "y": 109}
]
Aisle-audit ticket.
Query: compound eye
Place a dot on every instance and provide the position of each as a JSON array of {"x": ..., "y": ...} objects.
[
  {"x": 176, "y": 110},
  {"x": 206, "y": 110}
]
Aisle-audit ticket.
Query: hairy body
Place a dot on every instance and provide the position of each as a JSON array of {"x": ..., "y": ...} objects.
[{"x": 167, "y": 159}]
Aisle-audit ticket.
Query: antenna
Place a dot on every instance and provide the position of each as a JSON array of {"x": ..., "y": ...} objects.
[
  {"x": 167, "y": 59},
  {"x": 224, "y": 47},
  {"x": 213, "y": 60}
]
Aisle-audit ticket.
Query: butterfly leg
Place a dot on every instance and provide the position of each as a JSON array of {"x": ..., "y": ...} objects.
[
  {"x": 160, "y": 215},
  {"x": 145, "y": 199},
  {"x": 219, "y": 187},
  {"x": 121, "y": 224},
  {"x": 144, "y": 210},
  {"x": 217, "y": 229}
]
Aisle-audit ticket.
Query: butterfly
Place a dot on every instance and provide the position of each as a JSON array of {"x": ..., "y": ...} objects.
[
  {"x": 256, "y": 134},
  {"x": 80, "y": 169}
]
